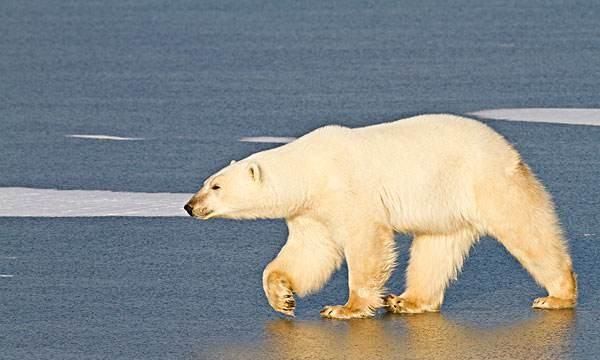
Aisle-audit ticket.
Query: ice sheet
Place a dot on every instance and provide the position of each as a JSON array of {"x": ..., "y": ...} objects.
[
  {"x": 571, "y": 116},
  {"x": 18, "y": 201},
  {"x": 104, "y": 137},
  {"x": 268, "y": 139}
]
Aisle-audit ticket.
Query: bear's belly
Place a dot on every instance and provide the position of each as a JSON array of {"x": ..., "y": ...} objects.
[
  {"x": 430, "y": 219},
  {"x": 429, "y": 226}
]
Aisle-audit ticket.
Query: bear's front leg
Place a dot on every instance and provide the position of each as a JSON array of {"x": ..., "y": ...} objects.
[
  {"x": 278, "y": 289},
  {"x": 370, "y": 255},
  {"x": 303, "y": 265}
]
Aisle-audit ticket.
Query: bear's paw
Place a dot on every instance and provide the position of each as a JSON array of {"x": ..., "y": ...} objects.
[
  {"x": 343, "y": 312},
  {"x": 402, "y": 305},
  {"x": 553, "y": 303},
  {"x": 279, "y": 294}
]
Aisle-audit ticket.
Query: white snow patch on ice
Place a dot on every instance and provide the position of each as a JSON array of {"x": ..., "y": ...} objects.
[
  {"x": 18, "y": 202},
  {"x": 6, "y": 276},
  {"x": 544, "y": 115},
  {"x": 104, "y": 137},
  {"x": 268, "y": 139}
]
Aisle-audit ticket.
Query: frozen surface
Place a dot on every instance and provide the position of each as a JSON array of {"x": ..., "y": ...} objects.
[
  {"x": 104, "y": 137},
  {"x": 192, "y": 78},
  {"x": 267, "y": 139},
  {"x": 546, "y": 115},
  {"x": 15, "y": 201}
]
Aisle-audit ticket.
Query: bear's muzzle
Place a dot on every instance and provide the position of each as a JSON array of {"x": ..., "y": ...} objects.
[{"x": 189, "y": 209}]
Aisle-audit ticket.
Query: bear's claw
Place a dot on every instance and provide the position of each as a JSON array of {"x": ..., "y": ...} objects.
[
  {"x": 290, "y": 305},
  {"x": 326, "y": 311},
  {"x": 285, "y": 304}
]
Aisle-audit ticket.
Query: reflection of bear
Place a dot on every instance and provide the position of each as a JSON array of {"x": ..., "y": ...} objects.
[
  {"x": 343, "y": 192},
  {"x": 545, "y": 335}
]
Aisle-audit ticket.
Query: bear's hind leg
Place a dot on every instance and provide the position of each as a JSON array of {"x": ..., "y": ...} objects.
[
  {"x": 523, "y": 219},
  {"x": 435, "y": 260},
  {"x": 371, "y": 257},
  {"x": 543, "y": 253}
]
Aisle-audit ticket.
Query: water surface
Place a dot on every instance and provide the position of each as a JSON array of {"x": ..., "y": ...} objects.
[{"x": 191, "y": 78}]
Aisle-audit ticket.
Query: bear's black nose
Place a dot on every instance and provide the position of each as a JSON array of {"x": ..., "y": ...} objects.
[{"x": 189, "y": 209}]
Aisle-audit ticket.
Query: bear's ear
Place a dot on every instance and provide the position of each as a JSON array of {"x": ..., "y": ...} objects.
[
  {"x": 232, "y": 162},
  {"x": 255, "y": 172}
]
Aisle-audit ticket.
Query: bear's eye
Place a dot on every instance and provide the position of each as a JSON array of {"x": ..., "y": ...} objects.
[{"x": 215, "y": 187}]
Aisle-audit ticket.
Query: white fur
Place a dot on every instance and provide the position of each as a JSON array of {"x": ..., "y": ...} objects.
[{"x": 344, "y": 192}]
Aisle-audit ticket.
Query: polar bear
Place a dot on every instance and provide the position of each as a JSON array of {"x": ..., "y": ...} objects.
[{"x": 343, "y": 192}]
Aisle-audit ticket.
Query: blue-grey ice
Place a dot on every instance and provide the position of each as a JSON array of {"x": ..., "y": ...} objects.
[{"x": 195, "y": 77}]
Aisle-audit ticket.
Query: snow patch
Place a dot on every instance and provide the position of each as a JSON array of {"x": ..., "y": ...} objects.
[
  {"x": 6, "y": 276},
  {"x": 30, "y": 202},
  {"x": 268, "y": 139},
  {"x": 104, "y": 137},
  {"x": 545, "y": 115}
]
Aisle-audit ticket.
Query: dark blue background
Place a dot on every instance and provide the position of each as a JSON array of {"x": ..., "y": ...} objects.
[{"x": 191, "y": 78}]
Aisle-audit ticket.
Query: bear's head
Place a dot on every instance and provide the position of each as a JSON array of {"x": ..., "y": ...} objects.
[{"x": 238, "y": 191}]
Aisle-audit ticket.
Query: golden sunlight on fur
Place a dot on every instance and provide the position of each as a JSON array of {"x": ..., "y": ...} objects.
[{"x": 344, "y": 193}]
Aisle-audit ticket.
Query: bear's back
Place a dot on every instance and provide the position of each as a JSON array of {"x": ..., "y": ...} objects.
[
  {"x": 439, "y": 138},
  {"x": 436, "y": 160}
]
